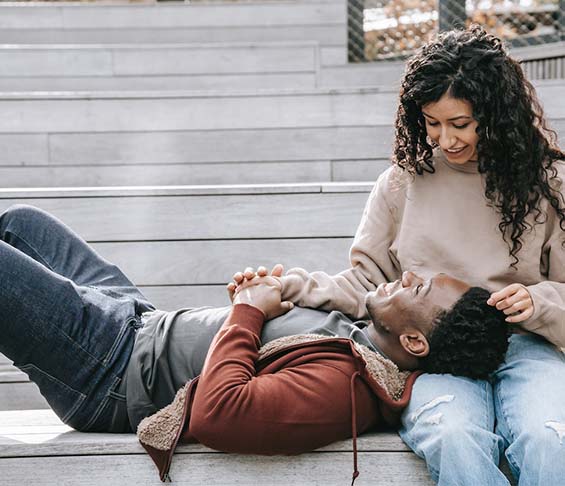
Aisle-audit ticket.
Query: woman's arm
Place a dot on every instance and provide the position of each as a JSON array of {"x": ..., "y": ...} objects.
[{"x": 371, "y": 262}]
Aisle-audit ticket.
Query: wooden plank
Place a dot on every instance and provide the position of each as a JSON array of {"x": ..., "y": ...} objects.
[
  {"x": 214, "y": 262},
  {"x": 155, "y": 59},
  {"x": 21, "y": 396},
  {"x": 334, "y": 55},
  {"x": 201, "y": 15},
  {"x": 14, "y": 423},
  {"x": 24, "y": 149},
  {"x": 169, "y": 82},
  {"x": 328, "y": 34},
  {"x": 85, "y": 16},
  {"x": 390, "y": 468},
  {"x": 115, "y": 111},
  {"x": 219, "y": 146},
  {"x": 362, "y": 74},
  {"x": 358, "y": 170},
  {"x": 133, "y": 175},
  {"x": 171, "y": 297},
  {"x": 172, "y": 110},
  {"x": 202, "y": 217},
  {"x": 200, "y": 146}
]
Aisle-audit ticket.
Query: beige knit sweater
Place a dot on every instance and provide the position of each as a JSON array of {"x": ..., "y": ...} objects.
[{"x": 441, "y": 222}]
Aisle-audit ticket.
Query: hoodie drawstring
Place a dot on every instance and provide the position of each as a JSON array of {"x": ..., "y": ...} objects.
[{"x": 354, "y": 425}]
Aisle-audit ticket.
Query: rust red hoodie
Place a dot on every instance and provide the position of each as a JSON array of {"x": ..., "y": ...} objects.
[{"x": 295, "y": 394}]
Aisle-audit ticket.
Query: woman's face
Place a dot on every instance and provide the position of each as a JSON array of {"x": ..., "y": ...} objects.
[{"x": 450, "y": 124}]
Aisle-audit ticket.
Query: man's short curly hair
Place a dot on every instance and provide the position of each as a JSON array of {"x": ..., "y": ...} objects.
[{"x": 470, "y": 339}]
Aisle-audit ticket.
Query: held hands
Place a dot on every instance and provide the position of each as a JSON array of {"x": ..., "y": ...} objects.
[
  {"x": 515, "y": 301},
  {"x": 260, "y": 290},
  {"x": 249, "y": 274}
]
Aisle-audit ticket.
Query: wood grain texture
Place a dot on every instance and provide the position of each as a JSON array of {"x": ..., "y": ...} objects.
[
  {"x": 154, "y": 59},
  {"x": 214, "y": 262},
  {"x": 21, "y": 396},
  {"x": 185, "y": 174},
  {"x": 204, "y": 217},
  {"x": 189, "y": 469}
]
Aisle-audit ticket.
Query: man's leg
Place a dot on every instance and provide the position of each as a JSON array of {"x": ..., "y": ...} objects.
[
  {"x": 449, "y": 423},
  {"x": 530, "y": 410},
  {"x": 49, "y": 241},
  {"x": 68, "y": 316}
]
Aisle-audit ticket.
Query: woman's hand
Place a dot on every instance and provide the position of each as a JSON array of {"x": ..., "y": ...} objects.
[
  {"x": 249, "y": 274},
  {"x": 264, "y": 293},
  {"x": 515, "y": 301}
]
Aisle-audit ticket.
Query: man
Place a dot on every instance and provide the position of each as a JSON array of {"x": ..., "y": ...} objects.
[{"x": 304, "y": 391}]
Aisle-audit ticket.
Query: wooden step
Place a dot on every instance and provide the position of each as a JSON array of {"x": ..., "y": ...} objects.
[
  {"x": 321, "y": 21},
  {"x": 37, "y": 449},
  {"x": 158, "y": 66},
  {"x": 182, "y": 244},
  {"x": 108, "y": 138}
]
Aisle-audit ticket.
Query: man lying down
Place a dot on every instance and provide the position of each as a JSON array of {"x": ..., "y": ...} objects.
[{"x": 257, "y": 378}]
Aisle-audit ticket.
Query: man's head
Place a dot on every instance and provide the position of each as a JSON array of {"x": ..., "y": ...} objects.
[{"x": 440, "y": 325}]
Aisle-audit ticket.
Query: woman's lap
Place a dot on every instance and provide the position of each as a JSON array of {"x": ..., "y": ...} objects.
[{"x": 455, "y": 435}]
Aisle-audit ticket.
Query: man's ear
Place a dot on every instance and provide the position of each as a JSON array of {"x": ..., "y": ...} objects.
[{"x": 415, "y": 343}]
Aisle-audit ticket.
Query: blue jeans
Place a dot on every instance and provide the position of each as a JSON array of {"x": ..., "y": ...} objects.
[
  {"x": 462, "y": 427},
  {"x": 68, "y": 316}
]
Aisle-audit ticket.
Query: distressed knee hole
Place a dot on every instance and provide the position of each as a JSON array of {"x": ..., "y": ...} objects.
[
  {"x": 558, "y": 428},
  {"x": 432, "y": 419}
]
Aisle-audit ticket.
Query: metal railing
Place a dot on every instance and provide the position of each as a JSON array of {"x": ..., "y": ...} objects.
[{"x": 393, "y": 29}]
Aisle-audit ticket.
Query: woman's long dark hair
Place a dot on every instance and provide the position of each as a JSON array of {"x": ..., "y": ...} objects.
[{"x": 516, "y": 150}]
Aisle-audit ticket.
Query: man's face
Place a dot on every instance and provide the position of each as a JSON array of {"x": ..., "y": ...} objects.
[{"x": 412, "y": 301}]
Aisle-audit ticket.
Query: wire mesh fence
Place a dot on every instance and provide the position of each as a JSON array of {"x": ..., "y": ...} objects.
[{"x": 393, "y": 29}]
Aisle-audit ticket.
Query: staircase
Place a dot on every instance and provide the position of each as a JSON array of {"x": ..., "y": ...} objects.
[{"x": 172, "y": 136}]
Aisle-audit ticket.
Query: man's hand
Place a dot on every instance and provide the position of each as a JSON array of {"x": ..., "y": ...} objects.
[
  {"x": 515, "y": 301},
  {"x": 249, "y": 274},
  {"x": 264, "y": 293}
]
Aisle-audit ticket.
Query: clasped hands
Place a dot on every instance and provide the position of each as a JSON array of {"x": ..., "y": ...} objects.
[
  {"x": 264, "y": 292},
  {"x": 260, "y": 290}
]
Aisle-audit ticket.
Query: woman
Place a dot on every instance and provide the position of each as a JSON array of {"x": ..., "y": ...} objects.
[{"x": 475, "y": 191}]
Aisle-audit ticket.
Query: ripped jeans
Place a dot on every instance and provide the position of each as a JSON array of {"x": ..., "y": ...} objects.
[{"x": 461, "y": 427}]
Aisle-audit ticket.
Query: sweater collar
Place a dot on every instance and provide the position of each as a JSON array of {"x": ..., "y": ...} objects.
[{"x": 471, "y": 167}]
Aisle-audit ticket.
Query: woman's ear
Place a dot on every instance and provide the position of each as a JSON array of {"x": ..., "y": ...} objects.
[{"x": 415, "y": 343}]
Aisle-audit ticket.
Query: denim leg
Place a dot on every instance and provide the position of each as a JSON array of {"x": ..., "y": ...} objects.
[
  {"x": 69, "y": 317},
  {"x": 449, "y": 423},
  {"x": 529, "y": 403},
  {"x": 49, "y": 241}
]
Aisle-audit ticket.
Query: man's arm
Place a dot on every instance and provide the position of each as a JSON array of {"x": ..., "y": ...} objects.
[{"x": 294, "y": 409}]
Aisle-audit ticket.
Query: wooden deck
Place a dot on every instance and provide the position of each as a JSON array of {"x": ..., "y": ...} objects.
[{"x": 37, "y": 449}]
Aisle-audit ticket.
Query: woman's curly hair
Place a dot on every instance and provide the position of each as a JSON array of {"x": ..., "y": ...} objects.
[
  {"x": 516, "y": 150},
  {"x": 470, "y": 339}
]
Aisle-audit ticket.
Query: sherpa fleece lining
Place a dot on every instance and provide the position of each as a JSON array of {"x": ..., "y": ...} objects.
[
  {"x": 381, "y": 369},
  {"x": 160, "y": 429}
]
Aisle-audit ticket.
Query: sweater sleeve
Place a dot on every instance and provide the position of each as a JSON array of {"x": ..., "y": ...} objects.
[
  {"x": 548, "y": 296},
  {"x": 296, "y": 409},
  {"x": 371, "y": 260}
]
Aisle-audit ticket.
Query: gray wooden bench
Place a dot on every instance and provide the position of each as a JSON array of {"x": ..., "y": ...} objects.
[
  {"x": 80, "y": 23},
  {"x": 127, "y": 67},
  {"x": 37, "y": 449},
  {"x": 185, "y": 137}
]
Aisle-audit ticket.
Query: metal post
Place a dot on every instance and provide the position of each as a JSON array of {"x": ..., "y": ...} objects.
[
  {"x": 355, "y": 33},
  {"x": 561, "y": 20},
  {"x": 452, "y": 14}
]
